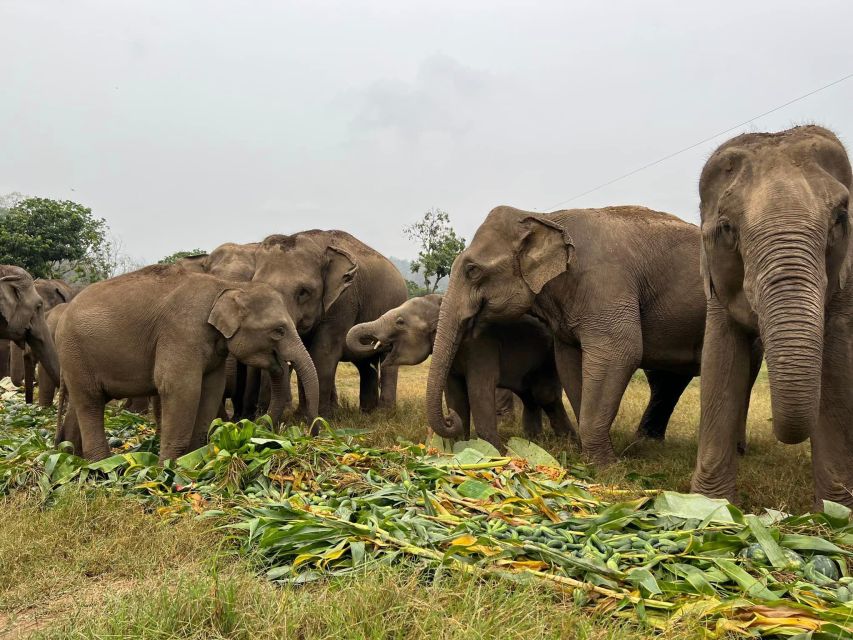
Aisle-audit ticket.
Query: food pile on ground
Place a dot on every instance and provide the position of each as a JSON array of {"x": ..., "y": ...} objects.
[{"x": 302, "y": 508}]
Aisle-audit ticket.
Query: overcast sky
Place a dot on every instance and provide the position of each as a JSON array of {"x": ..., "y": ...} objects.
[{"x": 189, "y": 123}]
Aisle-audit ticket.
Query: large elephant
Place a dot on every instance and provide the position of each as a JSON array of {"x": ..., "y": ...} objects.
[
  {"x": 776, "y": 257},
  {"x": 331, "y": 281},
  {"x": 618, "y": 286},
  {"x": 22, "y": 361},
  {"x": 518, "y": 355},
  {"x": 22, "y": 317},
  {"x": 167, "y": 331}
]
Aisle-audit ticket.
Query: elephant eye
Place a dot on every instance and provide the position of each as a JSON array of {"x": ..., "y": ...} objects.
[
  {"x": 303, "y": 294},
  {"x": 473, "y": 271},
  {"x": 726, "y": 234},
  {"x": 279, "y": 332},
  {"x": 400, "y": 321}
]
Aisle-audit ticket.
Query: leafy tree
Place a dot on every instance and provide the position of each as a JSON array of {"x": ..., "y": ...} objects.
[
  {"x": 55, "y": 238},
  {"x": 172, "y": 258},
  {"x": 439, "y": 247},
  {"x": 415, "y": 289}
]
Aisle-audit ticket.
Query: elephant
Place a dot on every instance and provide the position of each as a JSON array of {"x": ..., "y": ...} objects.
[
  {"x": 331, "y": 281},
  {"x": 617, "y": 287},
  {"x": 22, "y": 363},
  {"x": 518, "y": 355},
  {"x": 775, "y": 261},
  {"x": 22, "y": 318},
  {"x": 167, "y": 331}
]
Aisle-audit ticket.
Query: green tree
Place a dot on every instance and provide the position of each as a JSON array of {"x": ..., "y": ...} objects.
[
  {"x": 55, "y": 238},
  {"x": 415, "y": 290},
  {"x": 439, "y": 247},
  {"x": 172, "y": 258}
]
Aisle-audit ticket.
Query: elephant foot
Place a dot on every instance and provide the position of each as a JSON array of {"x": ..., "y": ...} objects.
[
  {"x": 601, "y": 457},
  {"x": 713, "y": 488},
  {"x": 648, "y": 432}
]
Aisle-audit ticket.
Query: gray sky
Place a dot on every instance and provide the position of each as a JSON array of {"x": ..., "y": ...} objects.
[{"x": 190, "y": 123}]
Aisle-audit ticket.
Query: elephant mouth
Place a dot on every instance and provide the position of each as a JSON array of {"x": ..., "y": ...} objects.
[{"x": 278, "y": 365}]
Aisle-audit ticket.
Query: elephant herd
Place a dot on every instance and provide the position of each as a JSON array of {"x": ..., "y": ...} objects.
[{"x": 538, "y": 304}]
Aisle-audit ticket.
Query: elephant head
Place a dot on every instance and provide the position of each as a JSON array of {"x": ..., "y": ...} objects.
[
  {"x": 513, "y": 255},
  {"x": 231, "y": 261},
  {"x": 22, "y": 317},
  {"x": 403, "y": 335},
  {"x": 309, "y": 275},
  {"x": 775, "y": 247},
  {"x": 53, "y": 292},
  {"x": 259, "y": 332}
]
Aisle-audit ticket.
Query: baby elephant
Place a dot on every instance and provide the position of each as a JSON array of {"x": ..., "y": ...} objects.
[
  {"x": 518, "y": 356},
  {"x": 164, "y": 330}
]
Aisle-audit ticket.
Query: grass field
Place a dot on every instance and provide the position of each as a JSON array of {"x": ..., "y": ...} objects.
[{"x": 104, "y": 568}]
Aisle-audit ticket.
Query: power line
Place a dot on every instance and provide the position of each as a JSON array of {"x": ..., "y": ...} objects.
[{"x": 701, "y": 142}]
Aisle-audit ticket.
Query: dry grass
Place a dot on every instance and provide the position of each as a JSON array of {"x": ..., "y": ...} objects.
[{"x": 771, "y": 474}]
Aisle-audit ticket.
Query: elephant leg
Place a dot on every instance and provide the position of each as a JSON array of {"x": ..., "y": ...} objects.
[
  {"x": 388, "y": 387},
  {"x": 251, "y": 392},
  {"x": 531, "y": 416},
  {"x": 548, "y": 394},
  {"x": 569, "y": 362},
  {"x": 832, "y": 440},
  {"x": 456, "y": 395},
  {"x": 605, "y": 378},
  {"x": 89, "y": 410},
  {"x": 666, "y": 388},
  {"x": 69, "y": 431},
  {"x": 157, "y": 410},
  {"x": 47, "y": 388},
  {"x": 180, "y": 396},
  {"x": 279, "y": 400},
  {"x": 29, "y": 376},
  {"x": 5, "y": 348},
  {"x": 725, "y": 386},
  {"x": 16, "y": 364},
  {"x": 139, "y": 404},
  {"x": 210, "y": 399},
  {"x": 239, "y": 389},
  {"x": 481, "y": 383},
  {"x": 755, "y": 359},
  {"x": 505, "y": 405},
  {"x": 326, "y": 352},
  {"x": 368, "y": 387}
]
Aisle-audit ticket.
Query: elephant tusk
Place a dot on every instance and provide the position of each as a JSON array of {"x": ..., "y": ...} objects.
[{"x": 377, "y": 345}]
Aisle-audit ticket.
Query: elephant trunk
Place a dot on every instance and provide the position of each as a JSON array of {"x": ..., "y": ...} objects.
[
  {"x": 295, "y": 351},
  {"x": 16, "y": 365},
  {"x": 278, "y": 380},
  {"x": 451, "y": 325},
  {"x": 790, "y": 295},
  {"x": 44, "y": 350},
  {"x": 362, "y": 338}
]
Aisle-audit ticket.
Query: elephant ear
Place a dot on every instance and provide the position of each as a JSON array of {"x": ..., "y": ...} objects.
[
  {"x": 707, "y": 283},
  {"x": 9, "y": 295},
  {"x": 227, "y": 312},
  {"x": 339, "y": 274},
  {"x": 544, "y": 252}
]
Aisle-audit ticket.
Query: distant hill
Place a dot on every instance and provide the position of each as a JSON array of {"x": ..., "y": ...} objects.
[{"x": 405, "y": 267}]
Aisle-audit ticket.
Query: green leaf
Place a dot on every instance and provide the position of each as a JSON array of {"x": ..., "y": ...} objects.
[
  {"x": 484, "y": 447},
  {"x": 837, "y": 514},
  {"x": 771, "y": 547},
  {"x": 476, "y": 489},
  {"x": 533, "y": 454},
  {"x": 750, "y": 585},
  {"x": 693, "y": 506}
]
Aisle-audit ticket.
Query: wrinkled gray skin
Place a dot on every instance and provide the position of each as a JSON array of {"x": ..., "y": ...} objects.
[
  {"x": 166, "y": 331},
  {"x": 620, "y": 289},
  {"x": 22, "y": 361},
  {"x": 518, "y": 355},
  {"x": 776, "y": 256},
  {"x": 331, "y": 281},
  {"x": 22, "y": 317},
  {"x": 234, "y": 261}
]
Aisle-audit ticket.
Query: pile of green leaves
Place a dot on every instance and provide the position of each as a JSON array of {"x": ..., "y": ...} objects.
[{"x": 303, "y": 508}]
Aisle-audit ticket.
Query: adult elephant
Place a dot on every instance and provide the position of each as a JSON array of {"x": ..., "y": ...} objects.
[
  {"x": 776, "y": 258},
  {"x": 331, "y": 281},
  {"x": 163, "y": 330},
  {"x": 620, "y": 289},
  {"x": 53, "y": 292},
  {"x": 22, "y": 317},
  {"x": 516, "y": 356}
]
